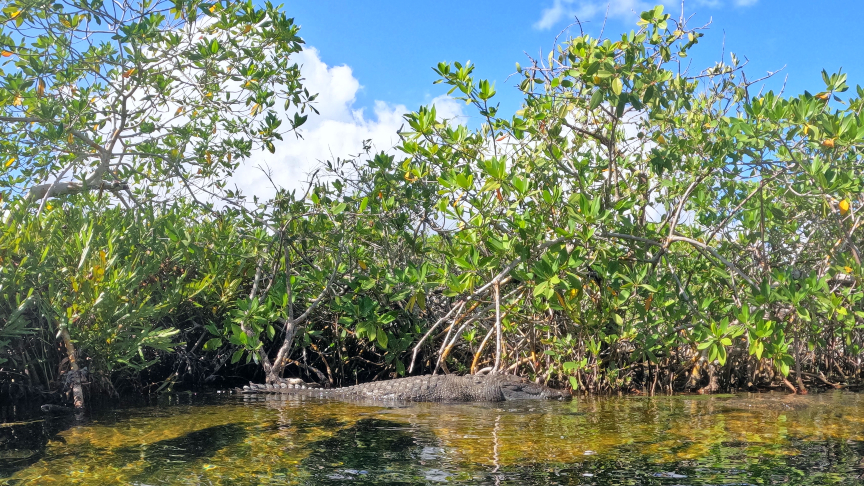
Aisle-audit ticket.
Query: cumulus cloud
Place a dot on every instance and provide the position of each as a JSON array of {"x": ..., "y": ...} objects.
[
  {"x": 587, "y": 9},
  {"x": 338, "y": 132}
]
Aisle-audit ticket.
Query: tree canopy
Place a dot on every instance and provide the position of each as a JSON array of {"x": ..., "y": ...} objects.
[
  {"x": 143, "y": 99},
  {"x": 637, "y": 225}
]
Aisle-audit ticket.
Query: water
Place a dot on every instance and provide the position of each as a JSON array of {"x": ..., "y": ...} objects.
[{"x": 236, "y": 440}]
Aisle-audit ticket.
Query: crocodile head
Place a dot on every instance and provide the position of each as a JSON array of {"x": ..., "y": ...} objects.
[{"x": 516, "y": 388}]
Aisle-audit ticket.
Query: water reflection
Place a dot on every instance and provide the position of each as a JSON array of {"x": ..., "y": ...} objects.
[
  {"x": 720, "y": 440},
  {"x": 168, "y": 457},
  {"x": 375, "y": 451}
]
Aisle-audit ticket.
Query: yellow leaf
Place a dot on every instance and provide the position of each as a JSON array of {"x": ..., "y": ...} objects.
[
  {"x": 40, "y": 88},
  {"x": 129, "y": 73},
  {"x": 14, "y": 14},
  {"x": 828, "y": 143},
  {"x": 17, "y": 100},
  {"x": 362, "y": 264},
  {"x": 560, "y": 300},
  {"x": 6, "y": 53},
  {"x": 848, "y": 269},
  {"x": 10, "y": 162},
  {"x": 844, "y": 206},
  {"x": 213, "y": 8}
]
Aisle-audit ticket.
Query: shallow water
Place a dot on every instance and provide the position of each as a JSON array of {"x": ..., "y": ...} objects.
[{"x": 235, "y": 440}]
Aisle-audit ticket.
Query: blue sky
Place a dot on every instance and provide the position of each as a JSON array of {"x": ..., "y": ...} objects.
[
  {"x": 391, "y": 46},
  {"x": 371, "y": 61}
]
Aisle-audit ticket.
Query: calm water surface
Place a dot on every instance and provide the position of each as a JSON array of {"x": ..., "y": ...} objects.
[{"x": 235, "y": 440}]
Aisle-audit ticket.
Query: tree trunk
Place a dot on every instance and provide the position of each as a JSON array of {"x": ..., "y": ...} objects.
[
  {"x": 75, "y": 371},
  {"x": 796, "y": 344},
  {"x": 57, "y": 189},
  {"x": 274, "y": 371},
  {"x": 713, "y": 386}
]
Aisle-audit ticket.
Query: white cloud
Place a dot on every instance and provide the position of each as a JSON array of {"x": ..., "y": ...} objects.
[
  {"x": 592, "y": 9},
  {"x": 450, "y": 109},
  {"x": 586, "y": 9},
  {"x": 339, "y": 130},
  {"x": 551, "y": 16}
]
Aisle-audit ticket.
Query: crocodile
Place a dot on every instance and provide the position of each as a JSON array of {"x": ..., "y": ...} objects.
[{"x": 428, "y": 388}]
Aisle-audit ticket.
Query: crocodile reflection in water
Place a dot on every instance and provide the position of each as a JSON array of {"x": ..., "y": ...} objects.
[{"x": 782, "y": 403}]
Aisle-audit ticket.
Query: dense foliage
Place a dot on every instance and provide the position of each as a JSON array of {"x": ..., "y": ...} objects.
[
  {"x": 140, "y": 98},
  {"x": 634, "y": 227}
]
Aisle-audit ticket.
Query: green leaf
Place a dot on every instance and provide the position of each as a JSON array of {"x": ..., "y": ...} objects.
[
  {"x": 617, "y": 86},
  {"x": 569, "y": 365},
  {"x": 649, "y": 93},
  {"x": 338, "y": 209},
  {"x": 721, "y": 355},
  {"x": 212, "y": 344},
  {"x": 490, "y": 185},
  {"x": 237, "y": 356},
  {"x": 382, "y": 338},
  {"x": 596, "y": 99},
  {"x": 541, "y": 288}
]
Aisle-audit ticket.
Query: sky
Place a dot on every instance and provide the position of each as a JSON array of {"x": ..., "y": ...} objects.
[{"x": 371, "y": 61}]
